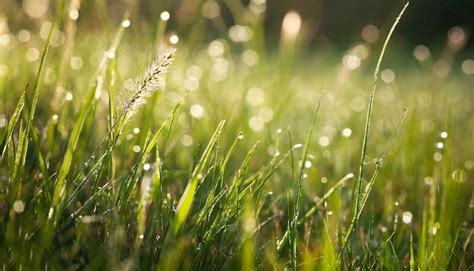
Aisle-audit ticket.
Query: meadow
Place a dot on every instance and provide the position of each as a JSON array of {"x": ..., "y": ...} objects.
[{"x": 129, "y": 146}]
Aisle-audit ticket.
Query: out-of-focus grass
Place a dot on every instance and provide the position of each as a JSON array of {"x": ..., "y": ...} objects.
[{"x": 209, "y": 195}]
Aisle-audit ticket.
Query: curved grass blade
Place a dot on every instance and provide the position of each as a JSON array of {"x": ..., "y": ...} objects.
[
  {"x": 13, "y": 121},
  {"x": 358, "y": 187}
]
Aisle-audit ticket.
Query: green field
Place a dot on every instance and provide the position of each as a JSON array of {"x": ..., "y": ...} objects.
[{"x": 233, "y": 152}]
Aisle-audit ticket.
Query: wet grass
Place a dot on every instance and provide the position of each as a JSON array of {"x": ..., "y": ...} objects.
[{"x": 225, "y": 162}]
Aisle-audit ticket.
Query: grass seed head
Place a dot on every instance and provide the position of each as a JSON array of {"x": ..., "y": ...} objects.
[{"x": 147, "y": 84}]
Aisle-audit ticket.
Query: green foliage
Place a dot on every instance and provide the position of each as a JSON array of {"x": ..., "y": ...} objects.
[{"x": 92, "y": 179}]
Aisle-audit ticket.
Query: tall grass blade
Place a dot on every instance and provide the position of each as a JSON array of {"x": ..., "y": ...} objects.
[
  {"x": 186, "y": 200},
  {"x": 358, "y": 187},
  {"x": 299, "y": 190}
]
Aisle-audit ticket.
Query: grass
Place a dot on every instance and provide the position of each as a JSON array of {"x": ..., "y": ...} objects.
[{"x": 205, "y": 167}]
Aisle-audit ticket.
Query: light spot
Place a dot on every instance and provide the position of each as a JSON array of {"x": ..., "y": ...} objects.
[
  {"x": 55, "y": 117},
  {"x": 24, "y": 35},
  {"x": 438, "y": 156},
  {"x": 146, "y": 166},
  {"x": 220, "y": 66},
  {"x": 136, "y": 130},
  {"x": 125, "y": 23},
  {"x": 18, "y": 206},
  {"x": 136, "y": 149},
  {"x": 361, "y": 51},
  {"x": 194, "y": 71},
  {"x": 197, "y": 111},
  {"x": 73, "y": 14},
  {"x": 76, "y": 62},
  {"x": 69, "y": 96},
  {"x": 370, "y": 33},
  {"x": 421, "y": 52},
  {"x": 347, "y": 132},
  {"x": 35, "y": 8},
  {"x": 271, "y": 150},
  {"x": 297, "y": 146},
  {"x": 249, "y": 224},
  {"x": 4, "y": 39},
  {"x": 324, "y": 179},
  {"x": 239, "y": 33},
  {"x": 456, "y": 36},
  {"x": 443, "y": 134},
  {"x": 469, "y": 164},
  {"x": 57, "y": 37},
  {"x": 265, "y": 113},
  {"x": 165, "y": 16},
  {"x": 388, "y": 76},
  {"x": 324, "y": 141},
  {"x": 174, "y": 39},
  {"x": 191, "y": 83},
  {"x": 32, "y": 54},
  {"x": 259, "y": 2},
  {"x": 3, "y": 121},
  {"x": 257, "y": 6},
  {"x": 186, "y": 140},
  {"x": 255, "y": 96},
  {"x": 467, "y": 67},
  {"x": 291, "y": 26},
  {"x": 439, "y": 145},
  {"x": 211, "y": 10},
  {"x": 308, "y": 164},
  {"x": 459, "y": 176},
  {"x": 434, "y": 228},
  {"x": 357, "y": 104},
  {"x": 250, "y": 57},
  {"x": 216, "y": 48},
  {"x": 441, "y": 68},
  {"x": 407, "y": 217},
  {"x": 256, "y": 123},
  {"x": 428, "y": 180},
  {"x": 111, "y": 54},
  {"x": 351, "y": 62}
]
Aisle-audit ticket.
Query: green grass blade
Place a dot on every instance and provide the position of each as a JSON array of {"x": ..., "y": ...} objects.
[
  {"x": 39, "y": 75},
  {"x": 369, "y": 186},
  {"x": 186, "y": 200},
  {"x": 60, "y": 189},
  {"x": 299, "y": 190},
  {"x": 13, "y": 121},
  {"x": 360, "y": 178}
]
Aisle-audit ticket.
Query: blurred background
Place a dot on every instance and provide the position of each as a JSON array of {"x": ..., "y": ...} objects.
[{"x": 334, "y": 21}]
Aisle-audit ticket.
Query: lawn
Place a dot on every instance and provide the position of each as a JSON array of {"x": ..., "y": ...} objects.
[{"x": 129, "y": 146}]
